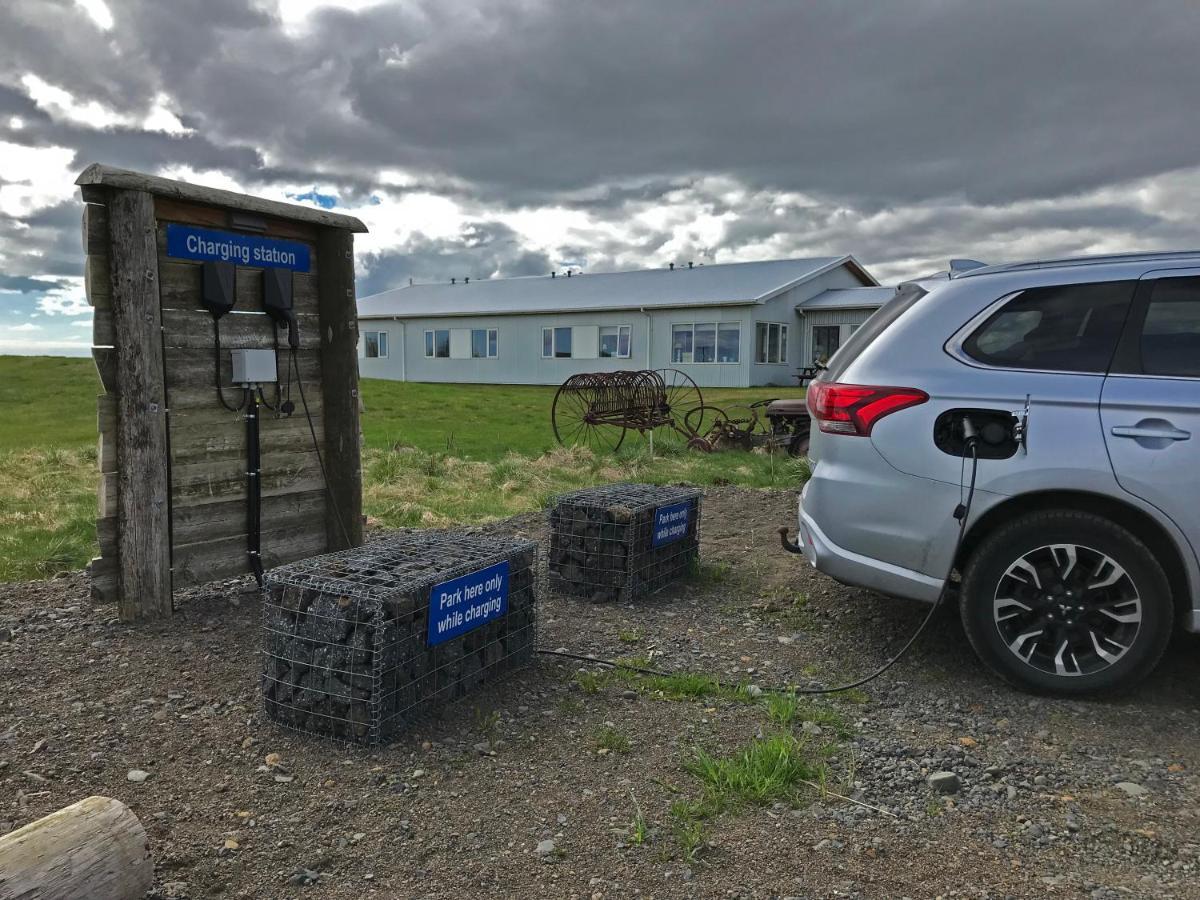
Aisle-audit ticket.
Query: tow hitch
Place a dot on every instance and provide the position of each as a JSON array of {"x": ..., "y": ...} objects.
[{"x": 788, "y": 545}]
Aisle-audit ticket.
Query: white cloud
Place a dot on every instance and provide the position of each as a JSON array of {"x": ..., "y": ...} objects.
[
  {"x": 34, "y": 178},
  {"x": 63, "y": 106},
  {"x": 68, "y": 300},
  {"x": 98, "y": 12},
  {"x": 82, "y": 323},
  {"x": 294, "y": 13},
  {"x": 25, "y": 326}
]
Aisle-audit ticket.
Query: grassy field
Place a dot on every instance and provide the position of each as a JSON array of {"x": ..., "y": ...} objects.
[{"x": 435, "y": 454}]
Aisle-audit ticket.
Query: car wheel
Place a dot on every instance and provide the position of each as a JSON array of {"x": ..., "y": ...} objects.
[{"x": 1066, "y": 602}]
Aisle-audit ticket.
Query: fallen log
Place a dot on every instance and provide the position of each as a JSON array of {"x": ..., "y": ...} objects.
[{"x": 95, "y": 848}]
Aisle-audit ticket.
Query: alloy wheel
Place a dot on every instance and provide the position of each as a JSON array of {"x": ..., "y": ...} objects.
[{"x": 1067, "y": 610}]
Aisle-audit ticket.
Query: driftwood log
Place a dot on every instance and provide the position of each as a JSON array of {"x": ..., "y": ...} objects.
[{"x": 95, "y": 848}]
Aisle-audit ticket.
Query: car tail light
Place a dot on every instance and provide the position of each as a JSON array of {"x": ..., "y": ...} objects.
[{"x": 855, "y": 408}]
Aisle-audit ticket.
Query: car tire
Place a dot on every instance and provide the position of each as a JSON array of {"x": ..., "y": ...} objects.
[{"x": 1065, "y": 602}]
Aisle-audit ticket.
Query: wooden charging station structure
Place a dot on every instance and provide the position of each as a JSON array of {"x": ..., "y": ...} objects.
[{"x": 173, "y": 495}]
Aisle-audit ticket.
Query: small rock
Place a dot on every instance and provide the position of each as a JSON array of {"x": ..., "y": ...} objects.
[
  {"x": 5, "y": 635},
  {"x": 1131, "y": 789},
  {"x": 545, "y": 848},
  {"x": 137, "y": 776},
  {"x": 754, "y": 690},
  {"x": 812, "y": 728},
  {"x": 944, "y": 782}
]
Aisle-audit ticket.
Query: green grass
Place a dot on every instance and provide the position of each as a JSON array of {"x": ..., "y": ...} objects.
[
  {"x": 610, "y": 739},
  {"x": 434, "y": 455},
  {"x": 768, "y": 769},
  {"x": 457, "y": 419},
  {"x": 47, "y": 402}
]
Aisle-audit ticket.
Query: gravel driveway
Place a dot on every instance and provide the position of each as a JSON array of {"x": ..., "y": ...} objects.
[{"x": 941, "y": 782}]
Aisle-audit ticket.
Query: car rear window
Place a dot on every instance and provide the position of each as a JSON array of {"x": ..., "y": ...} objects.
[
  {"x": 1171, "y": 332},
  {"x": 1063, "y": 328},
  {"x": 906, "y": 295}
]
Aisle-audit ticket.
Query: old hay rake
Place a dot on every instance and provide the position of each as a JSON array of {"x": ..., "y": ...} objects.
[{"x": 597, "y": 410}]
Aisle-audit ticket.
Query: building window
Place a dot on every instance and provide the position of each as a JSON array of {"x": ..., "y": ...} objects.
[
  {"x": 493, "y": 343},
  {"x": 556, "y": 343},
  {"x": 729, "y": 342},
  {"x": 375, "y": 344},
  {"x": 706, "y": 342},
  {"x": 483, "y": 343},
  {"x": 770, "y": 343},
  {"x": 826, "y": 340},
  {"x": 614, "y": 341},
  {"x": 437, "y": 343}
]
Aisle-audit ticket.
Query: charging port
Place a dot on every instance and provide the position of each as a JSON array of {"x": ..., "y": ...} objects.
[{"x": 996, "y": 430}]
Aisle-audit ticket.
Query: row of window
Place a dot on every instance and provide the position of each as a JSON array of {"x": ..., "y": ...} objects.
[
  {"x": 462, "y": 343},
  {"x": 698, "y": 342},
  {"x": 706, "y": 342},
  {"x": 586, "y": 342}
]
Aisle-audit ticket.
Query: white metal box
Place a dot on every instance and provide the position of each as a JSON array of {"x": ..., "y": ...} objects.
[{"x": 253, "y": 366}]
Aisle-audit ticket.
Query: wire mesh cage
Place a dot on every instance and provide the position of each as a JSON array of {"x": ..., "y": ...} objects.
[
  {"x": 623, "y": 541},
  {"x": 358, "y": 644}
]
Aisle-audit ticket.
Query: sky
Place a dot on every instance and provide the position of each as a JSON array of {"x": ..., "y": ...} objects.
[{"x": 494, "y": 138}]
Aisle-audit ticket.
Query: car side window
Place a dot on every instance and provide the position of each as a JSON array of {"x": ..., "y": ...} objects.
[
  {"x": 1171, "y": 332},
  {"x": 1063, "y": 328}
]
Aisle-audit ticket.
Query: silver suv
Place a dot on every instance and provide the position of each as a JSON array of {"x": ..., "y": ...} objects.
[{"x": 1080, "y": 382}]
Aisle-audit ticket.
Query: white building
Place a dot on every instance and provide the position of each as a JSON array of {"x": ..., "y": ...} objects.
[{"x": 730, "y": 325}]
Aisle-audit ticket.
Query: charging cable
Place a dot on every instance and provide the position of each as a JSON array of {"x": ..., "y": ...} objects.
[{"x": 962, "y": 512}]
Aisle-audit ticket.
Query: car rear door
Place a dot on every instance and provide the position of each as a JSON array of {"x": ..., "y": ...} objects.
[{"x": 1150, "y": 402}]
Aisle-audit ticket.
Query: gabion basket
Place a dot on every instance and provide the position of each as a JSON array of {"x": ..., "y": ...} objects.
[
  {"x": 623, "y": 541},
  {"x": 358, "y": 644}
]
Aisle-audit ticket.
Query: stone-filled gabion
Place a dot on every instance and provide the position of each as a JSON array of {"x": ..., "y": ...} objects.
[
  {"x": 348, "y": 651},
  {"x": 607, "y": 543}
]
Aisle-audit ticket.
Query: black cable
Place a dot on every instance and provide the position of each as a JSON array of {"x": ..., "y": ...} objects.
[
  {"x": 962, "y": 512},
  {"x": 317, "y": 447},
  {"x": 217, "y": 369}
]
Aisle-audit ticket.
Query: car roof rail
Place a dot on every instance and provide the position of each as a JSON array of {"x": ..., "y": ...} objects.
[{"x": 1097, "y": 260}]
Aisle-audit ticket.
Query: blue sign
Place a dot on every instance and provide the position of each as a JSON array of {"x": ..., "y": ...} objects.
[
  {"x": 455, "y": 607},
  {"x": 671, "y": 522},
  {"x": 188, "y": 242}
]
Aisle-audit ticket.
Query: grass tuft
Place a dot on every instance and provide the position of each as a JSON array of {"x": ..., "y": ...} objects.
[
  {"x": 610, "y": 739},
  {"x": 769, "y": 769}
]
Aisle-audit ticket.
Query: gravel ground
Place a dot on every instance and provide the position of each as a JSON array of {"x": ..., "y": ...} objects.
[{"x": 509, "y": 794}]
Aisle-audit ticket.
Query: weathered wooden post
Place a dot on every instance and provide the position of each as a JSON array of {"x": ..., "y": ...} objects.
[{"x": 173, "y": 495}]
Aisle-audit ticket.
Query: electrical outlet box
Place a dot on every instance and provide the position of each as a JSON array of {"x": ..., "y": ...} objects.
[{"x": 254, "y": 367}]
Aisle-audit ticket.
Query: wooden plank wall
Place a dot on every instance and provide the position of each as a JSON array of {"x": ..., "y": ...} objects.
[{"x": 207, "y": 442}]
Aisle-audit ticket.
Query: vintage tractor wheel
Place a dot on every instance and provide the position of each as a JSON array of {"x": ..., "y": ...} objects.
[
  {"x": 680, "y": 396},
  {"x": 573, "y": 418}
]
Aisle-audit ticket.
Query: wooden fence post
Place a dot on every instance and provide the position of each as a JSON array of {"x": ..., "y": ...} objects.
[
  {"x": 143, "y": 485},
  {"x": 339, "y": 367}
]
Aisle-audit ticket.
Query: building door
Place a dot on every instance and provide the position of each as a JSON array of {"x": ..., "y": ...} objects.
[{"x": 825, "y": 341}]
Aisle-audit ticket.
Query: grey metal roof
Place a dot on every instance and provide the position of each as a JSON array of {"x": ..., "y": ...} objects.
[
  {"x": 711, "y": 285},
  {"x": 848, "y": 298}
]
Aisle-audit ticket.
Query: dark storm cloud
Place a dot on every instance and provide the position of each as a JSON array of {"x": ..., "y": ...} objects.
[
  {"x": 482, "y": 250},
  {"x": 878, "y": 102},
  {"x": 908, "y": 131}
]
